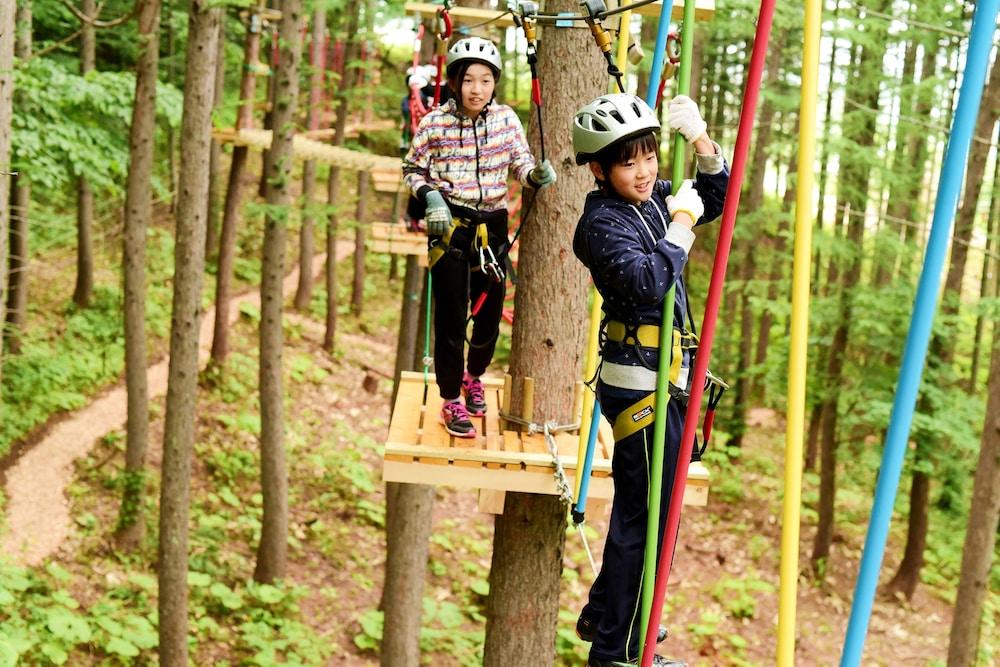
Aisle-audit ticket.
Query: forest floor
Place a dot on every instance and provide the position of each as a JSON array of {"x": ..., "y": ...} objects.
[{"x": 722, "y": 607}]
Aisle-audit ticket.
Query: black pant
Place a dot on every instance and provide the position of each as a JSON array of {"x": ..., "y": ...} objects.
[
  {"x": 457, "y": 282},
  {"x": 615, "y": 599}
]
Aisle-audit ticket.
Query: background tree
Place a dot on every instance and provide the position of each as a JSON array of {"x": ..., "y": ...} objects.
[
  {"x": 20, "y": 211},
  {"x": 7, "y": 22},
  {"x": 84, "y": 288},
  {"x": 189, "y": 260},
  {"x": 138, "y": 212},
  {"x": 547, "y": 345},
  {"x": 278, "y": 161},
  {"x": 307, "y": 241}
]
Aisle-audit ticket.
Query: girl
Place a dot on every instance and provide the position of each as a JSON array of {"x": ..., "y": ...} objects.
[
  {"x": 457, "y": 166},
  {"x": 635, "y": 237}
]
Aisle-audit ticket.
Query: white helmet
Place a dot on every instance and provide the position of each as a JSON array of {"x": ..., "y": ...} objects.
[
  {"x": 475, "y": 49},
  {"x": 608, "y": 120}
]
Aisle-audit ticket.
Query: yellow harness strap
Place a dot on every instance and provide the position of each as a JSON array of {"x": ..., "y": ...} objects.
[{"x": 635, "y": 417}]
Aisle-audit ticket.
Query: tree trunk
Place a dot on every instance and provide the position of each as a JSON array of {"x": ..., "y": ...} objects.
[
  {"x": 234, "y": 197},
  {"x": 84, "y": 290},
  {"x": 215, "y": 160},
  {"x": 273, "y": 550},
  {"x": 853, "y": 185},
  {"x": 990, "y": 267},
  {"x": 275, "y": 55},
  {"x": 360, "y": 219},
  {"x": 138, "y": 211},
  {"x": 409, "y": 508},
  {"x": 352, "y": 11},
  {"x": 905, "y": 581},
  {"x": 307, "y": 243},
  {"x": 548, "y": 340},
  {"x": 981, "y": 534},
  {"x": 8, "y": 11},
  {"x": 17, "y": 276},
  {"x": 19, "y": 210},
  {"x": 182, "y": 384}
]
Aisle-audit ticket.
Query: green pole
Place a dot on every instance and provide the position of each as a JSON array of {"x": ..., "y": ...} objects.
[{"x": 666, "y": 350}]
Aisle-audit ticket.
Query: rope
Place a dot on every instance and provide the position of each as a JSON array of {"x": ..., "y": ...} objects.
[{"x": 549, "y": 429}]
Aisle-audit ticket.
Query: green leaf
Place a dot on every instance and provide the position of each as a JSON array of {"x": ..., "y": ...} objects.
[
  {"x": 198, "y": 579},
  {"x": 267, "y": 593},
  {"x": 67, "y": 626},
  {"x": 55, "y": 653},
  {"x": 120, "y": 646},
  {"x": 226, "y": 596}
]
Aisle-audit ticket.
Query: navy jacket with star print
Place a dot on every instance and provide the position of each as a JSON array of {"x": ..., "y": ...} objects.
[{"x": 632, "y": 264}]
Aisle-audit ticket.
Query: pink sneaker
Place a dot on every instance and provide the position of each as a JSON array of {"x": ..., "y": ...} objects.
[
  {"x": 456, "y": 420},
  {"x": 475, "y": 395}
]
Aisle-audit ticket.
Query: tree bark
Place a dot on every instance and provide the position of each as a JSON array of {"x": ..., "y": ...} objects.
[
  {"x": 8, "y": 11},
  {"x": 548, "y": 341},
  {"x": 272, "y": 554},
  {"x": 84, "y": 290},
  {"x": 138, "y": 211},
  {"x": 215, "y": 160},
  {"x": 234, "y": 197},
  {"x": 981, "y": 534},
  {"x": 182, "y": 384},
  {"x": 307, "y": 242},
  {"x": 989, "y": 271},
  {"x": 409, "y": 508},
  {"x": 360, "y": 219},
  {"x": 19, "y": 210},
  {"x": 352, "y": 12}
]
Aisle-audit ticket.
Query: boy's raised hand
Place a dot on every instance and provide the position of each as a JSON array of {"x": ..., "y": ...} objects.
[
  {"x": 683, "y": 116},
  {"x": 438, "y": 215},
  {"x": 543, "y": 175},
  {"x": 687, "y": 200}
]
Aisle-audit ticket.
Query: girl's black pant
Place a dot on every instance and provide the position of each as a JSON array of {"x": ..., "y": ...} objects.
[{"x": 457, "y": 284}]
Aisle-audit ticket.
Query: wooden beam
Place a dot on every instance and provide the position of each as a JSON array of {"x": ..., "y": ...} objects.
[{"x": 703, "y": 11}]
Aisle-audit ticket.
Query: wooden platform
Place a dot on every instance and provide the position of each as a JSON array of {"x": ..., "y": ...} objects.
[
  {"x": 419, "y": 450},
  {"x": 394, "y": 238},
  {"x": 308, "y": 149},
  {"x": 387, "y": 180}
]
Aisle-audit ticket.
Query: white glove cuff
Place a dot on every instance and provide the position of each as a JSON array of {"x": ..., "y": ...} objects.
[
  {"x": 680, "y": 236},
  {"x": 710, "y": 165}
]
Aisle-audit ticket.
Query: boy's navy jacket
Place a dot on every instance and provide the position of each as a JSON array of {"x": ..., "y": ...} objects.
[{"x": 632, "y": 264}]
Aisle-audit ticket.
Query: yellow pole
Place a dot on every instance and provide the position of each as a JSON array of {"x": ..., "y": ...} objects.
[
  {"x": 624, "y": 34},
  {"x": 804, "y": 215}
]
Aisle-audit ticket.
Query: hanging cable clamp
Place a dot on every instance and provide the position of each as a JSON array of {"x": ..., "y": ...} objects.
[{"x": 595, "y": 9}]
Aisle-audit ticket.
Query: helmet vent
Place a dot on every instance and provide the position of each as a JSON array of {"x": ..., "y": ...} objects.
[{"x": 617, "y": 116}]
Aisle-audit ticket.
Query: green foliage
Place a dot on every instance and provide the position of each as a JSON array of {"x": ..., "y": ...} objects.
[{"x": 68, "y": 125}]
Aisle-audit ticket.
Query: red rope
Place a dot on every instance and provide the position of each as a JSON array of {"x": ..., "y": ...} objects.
[{"x": 708, "y": 326}]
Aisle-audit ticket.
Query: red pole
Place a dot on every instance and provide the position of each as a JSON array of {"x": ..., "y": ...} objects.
[{"x": 708, "y": 326}]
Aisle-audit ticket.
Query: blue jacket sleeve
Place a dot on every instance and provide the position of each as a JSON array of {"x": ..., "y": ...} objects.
[
  {"x": 625, "y": 267},
  {"x": 711, "y": 189}
]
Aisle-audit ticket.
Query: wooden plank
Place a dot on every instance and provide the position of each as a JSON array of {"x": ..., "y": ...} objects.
[
  {"x": 483, "y": 478},
  {"x": 511, "y": 448},
  {"x": 491, "y": 422},
  {"x": 491, "y": 501},
  {"x": 535, "y": 445},
  {"x": 406, "y": 413},
  {"x": 494, "y": 443}
]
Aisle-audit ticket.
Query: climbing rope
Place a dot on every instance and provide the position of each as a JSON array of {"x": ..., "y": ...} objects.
[{"x": 549, "y": 429}]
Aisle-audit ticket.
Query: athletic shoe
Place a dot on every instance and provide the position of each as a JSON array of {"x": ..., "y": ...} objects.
[
  {"x": 456, "y": 420},
  {"x": 475, "y": 395}
]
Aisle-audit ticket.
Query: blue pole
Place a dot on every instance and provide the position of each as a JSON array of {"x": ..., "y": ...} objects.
[
  {"x": 659, "y": 52},
  {"x": 915, "y": 352},
  {"x": 588, "y": 461}
]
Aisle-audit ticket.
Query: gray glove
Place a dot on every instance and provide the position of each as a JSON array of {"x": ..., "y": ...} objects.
[
  {"x": 438, "y": 215},
  {"x": 543, "y": 175}
]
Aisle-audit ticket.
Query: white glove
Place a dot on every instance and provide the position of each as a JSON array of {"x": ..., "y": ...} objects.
[
  {"x": 417, "y": 80},
  {"x": 687, "y": 201},
  {"x": 683, "y": 116}
]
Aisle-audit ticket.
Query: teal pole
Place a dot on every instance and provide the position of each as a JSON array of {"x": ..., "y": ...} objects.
[{"x": 915, "y": 352}]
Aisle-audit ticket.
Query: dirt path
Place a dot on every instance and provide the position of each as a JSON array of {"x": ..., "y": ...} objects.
[{"x": 37, "y": 515}]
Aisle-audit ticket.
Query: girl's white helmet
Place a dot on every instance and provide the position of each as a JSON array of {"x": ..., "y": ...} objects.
[
  {"x": 475, "y": 49},
  {"x": 608, "y": 120}
]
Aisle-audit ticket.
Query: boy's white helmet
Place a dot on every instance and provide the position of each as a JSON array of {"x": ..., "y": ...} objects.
[
  {"x": 475, "y": 49},
  {"x": 608, "y": 120}
]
